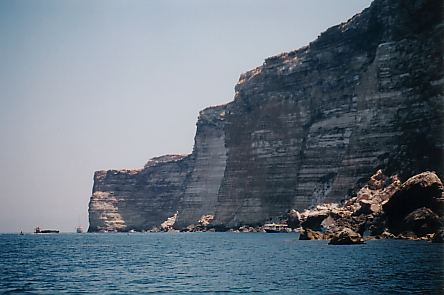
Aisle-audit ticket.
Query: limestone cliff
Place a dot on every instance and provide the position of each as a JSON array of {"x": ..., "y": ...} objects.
[
  {"x": 310, "y": 125},
  {"x": 210, "y": 155},
  {"x": 139, "y": 199},
  {"x": 307, "y": 126},
  {"x": 144, "y": 198}
]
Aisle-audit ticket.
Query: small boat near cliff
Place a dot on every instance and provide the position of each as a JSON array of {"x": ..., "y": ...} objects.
[
  {"x": 79, "y": 230},
  {"x": 38, "y": 230},
  {"x": 275, "y": 228}
]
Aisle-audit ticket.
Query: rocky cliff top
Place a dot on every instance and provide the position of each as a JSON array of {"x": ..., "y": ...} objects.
[
  {"x": 214, "y": 115},
  {"x": 383, "y": 21},
  {"x": 163, "y": 159}
]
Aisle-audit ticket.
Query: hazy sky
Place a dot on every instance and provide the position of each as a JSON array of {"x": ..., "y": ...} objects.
[{"x": 91, "y": 85}]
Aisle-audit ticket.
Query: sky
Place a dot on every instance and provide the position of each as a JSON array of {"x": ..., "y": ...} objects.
[{"x": 109, "y": 84}]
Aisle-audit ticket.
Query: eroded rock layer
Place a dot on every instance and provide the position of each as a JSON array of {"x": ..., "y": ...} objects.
[
  {"x": 126, "y": 200},
  {"x": 311, "y": 125},
  {"x": 210, "y": 155},
  {"x": 306, "y": 127},
  {"x": 141, "y": 199}
]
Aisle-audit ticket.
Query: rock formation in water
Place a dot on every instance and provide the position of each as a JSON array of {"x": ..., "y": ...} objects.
[
  {"x": 384, "y": 208},
  {"x": 346, "y": 237},
  {"x": 417, "y": 207},
  {"x": 306, "y": 127}
]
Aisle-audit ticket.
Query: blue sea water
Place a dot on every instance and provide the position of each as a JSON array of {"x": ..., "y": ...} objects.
[{"x": 209, "y": 263}]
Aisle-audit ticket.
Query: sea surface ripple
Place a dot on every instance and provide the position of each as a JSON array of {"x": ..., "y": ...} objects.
[{"x": 210, "y": 263}]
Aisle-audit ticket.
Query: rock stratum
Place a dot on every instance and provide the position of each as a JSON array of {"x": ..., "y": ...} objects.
[{"x": 307, "y": 127}]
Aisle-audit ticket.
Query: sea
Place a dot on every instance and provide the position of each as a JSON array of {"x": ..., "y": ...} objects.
[{"x": 214, "y": 263}]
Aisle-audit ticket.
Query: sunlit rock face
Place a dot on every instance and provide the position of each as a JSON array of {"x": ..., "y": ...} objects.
[
  {"x": 140, "y": 199},
  {"x": 311, "y": 125},
  {"x": 306, "y": 127},
  {"x": 210, "y": 155}
]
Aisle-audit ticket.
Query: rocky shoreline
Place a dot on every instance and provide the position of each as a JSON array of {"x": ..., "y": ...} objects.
[{"x": 384, "y": 208}]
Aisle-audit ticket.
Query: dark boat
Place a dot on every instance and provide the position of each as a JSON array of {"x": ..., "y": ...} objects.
[{"x": 38, "y": 230}]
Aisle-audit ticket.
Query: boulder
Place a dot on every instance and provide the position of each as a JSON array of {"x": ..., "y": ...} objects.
[
  {"x": 422, "y": 221},
  {"x": 422, "y": 190},
  {"x": 314, "y": 221},
  {"x": 355, "y": 223},
  {"x": 308, "y": 234},
  {"x": 367, "y": 207},
  {"x": 293, "y": 219},
  {"x": 346, "y": 236},
  {"x": 438, "y": 237}
]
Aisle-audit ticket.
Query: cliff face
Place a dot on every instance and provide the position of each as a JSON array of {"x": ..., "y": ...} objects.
[
  {"x": 310, "y": 125},
  {"x": 307, "y": 126},
  {"x": 141, "y": 199},
  {"x": 138, "y": 199},
  {"x": 210, "y": 156}
]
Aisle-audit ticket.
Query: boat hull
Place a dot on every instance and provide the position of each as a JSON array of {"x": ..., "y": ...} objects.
[{"x": 47, "y": 231}]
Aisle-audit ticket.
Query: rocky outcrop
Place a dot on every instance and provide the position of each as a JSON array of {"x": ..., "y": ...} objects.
[
  {"x": 346, "y": 237},
  {"x": 422, "y": 221},
  {"x": 314, "y": 221},
  {"x": 438, "y": 237},
  {"x": 411, "y": 210},
  {"x": 307, "y": 127},
  {"x": 168, "y": 224},
  {"x": 416, "y": 206},
  {"x": 293, "y": 219},
  {"x": 422, "y": 190},
  {"x": 357, "y": 213},
  {"x": 308, "y": 234},
  {"x": 206, "y": 220}
]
